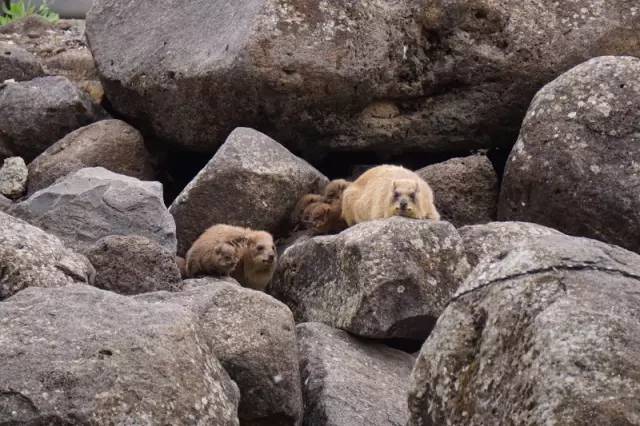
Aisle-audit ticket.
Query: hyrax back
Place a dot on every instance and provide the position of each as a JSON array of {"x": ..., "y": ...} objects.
[{"x": 216, "y": 252}]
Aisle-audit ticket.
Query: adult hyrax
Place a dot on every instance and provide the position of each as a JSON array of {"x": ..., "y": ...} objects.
[
  {"x": 386, "y": 191},
  {"x": 216, "y": 252},
  {"x": 258, "y": 261}
]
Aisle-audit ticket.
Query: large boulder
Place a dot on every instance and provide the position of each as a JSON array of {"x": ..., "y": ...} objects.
[
  {"x": 111, "y": 144},
  {"x": 251, "y": 181},
  {"x": 35, "y": 114},
  {"x": 577, "y": 159},
  {"x": 93, "y": 203},
  {"x": 493, "y": 240},
  {"x": 131, "y": 264},
  {"x": 465, "y": 189},
  {"x": 18, "y": 64},
  {"x": 29, "y": 257},
  {"x": 80, "y": 355},
  {"x": 349, "y": 382},
  {"x": 382, "y": 279},
  {"x": 547, "y": 335},
  {"x": 13, "y": 177},
  {"x": 253, "y": 336},
  {"x": 442, "y": 75}
]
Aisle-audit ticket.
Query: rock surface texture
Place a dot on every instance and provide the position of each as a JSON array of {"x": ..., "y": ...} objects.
[
  {"x": 251, "y": 181},
  {"x": 95, "y": 357},
  {"x": 465, "y": 189},
  {"x": 18, "y": 64},
  {"x": 443, "y": 75},
  {"x": 111, "y": 144},
  {"x": 576, "y": 165},
  {"x": 350, "y": 382},
  {"x": 60, "y": 47},
  {"x": 29, "y": 257},
  {"x": 133, "y": 264},
  {"x": 381, "y": 279},
  {"x": 93, "y": 203},
  {"x": 253, "y": 336},
  {"x": 35, "y": 114},
  {"x": 13, "y": 177},
  {"x": 491, "y": 241},
  {"x": 546, "y": 335}
]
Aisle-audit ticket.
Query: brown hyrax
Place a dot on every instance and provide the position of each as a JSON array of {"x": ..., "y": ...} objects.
[
  {"x": 303, "y": 203},
  {"x": 386, "y": 191},
  {"x": 216, "y": 252},
  {"x": 324, "y": 218},
  {"x": 334, "y": 190},
  {"x": 258, "y": 261}
]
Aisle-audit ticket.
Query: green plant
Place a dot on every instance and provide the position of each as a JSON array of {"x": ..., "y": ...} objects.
[{"x": 22, "y": 8}]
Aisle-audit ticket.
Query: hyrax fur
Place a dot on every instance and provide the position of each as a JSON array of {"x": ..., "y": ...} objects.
[
  {"x": 303, "y": 203},
  {"x": 334, "y": 190},
  {"x": 216, "y": 252},
  {"x": 324, "y": 218},
  {"x": 248, "y": 256},
  {"x": 386, "y": 191}
]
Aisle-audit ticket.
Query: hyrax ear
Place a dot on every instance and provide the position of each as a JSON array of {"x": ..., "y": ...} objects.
[{"x": 395, "y": 185}]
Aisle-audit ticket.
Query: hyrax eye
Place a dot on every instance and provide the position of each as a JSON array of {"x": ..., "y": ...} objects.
[
  {"x": 413, "y": 196},
  {"x": 396, "y": 194},
  {"x": 260, "y": 247}
]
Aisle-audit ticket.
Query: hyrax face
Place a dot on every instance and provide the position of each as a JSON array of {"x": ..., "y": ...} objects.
[
  {"x": 319, "y": 217},
  {"x": 262, "y": 249},
  {"x": 403, "y": 198},
  {"x": 333, "y": 191},
  {"x": 227, "y": 256}
]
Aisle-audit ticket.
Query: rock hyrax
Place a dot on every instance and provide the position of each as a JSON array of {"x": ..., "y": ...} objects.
[
  {"x": 216, "y": 252},
  {"x": 386, "y": 191},
  {"x": 258, "y": 262}
]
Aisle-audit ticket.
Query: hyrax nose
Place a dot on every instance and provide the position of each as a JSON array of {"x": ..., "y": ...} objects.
[
  {"x": 271, "y": 257},
  {"x": 403, "y": 204}
]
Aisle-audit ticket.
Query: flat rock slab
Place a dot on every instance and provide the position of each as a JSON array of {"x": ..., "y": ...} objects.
[
  {"x": 30, "y": 257},
  {"x": 465, "y": 189},
  {"x": 546, "y": 335},
  {"x": 253, "y": 336},
  {"x": 35, "y": 114},
  {"x": 348, "y": 381},
  {"x": 93, "y": 203},
  {"x": 382, "y": 279},
  {"x": 575, "y": 166},
  {"x": 80, "y": 355},
  {"x": 252, "y": 181}
]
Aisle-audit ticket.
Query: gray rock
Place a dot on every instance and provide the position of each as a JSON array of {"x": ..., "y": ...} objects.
[
  {"x": 578, "y": 155},
  {"x": 349, "y": 381},
  {"x": 18, "y": 64},
  {"x": 546, "y": 335},
  {"x": 13, "y": 177},
  {"x": 111, "y": 144},
  {"x": 465, "y": 189},
  {"x": 253, "y": 336},
  {"x": 382, "y": 279},
  {"x": 493, "y": 240},
  {"x": 380, "y": 76},
  {"x": 5, "y": 203},
  {"x": 29, "y": 257},
  {"x": 133, "y": 264},
  {"x": 93, "y": 203},
  {"x": 80, "y": 355},
  {"x": 35, "y": 114},
  {"x": 251, "y": 181}
]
